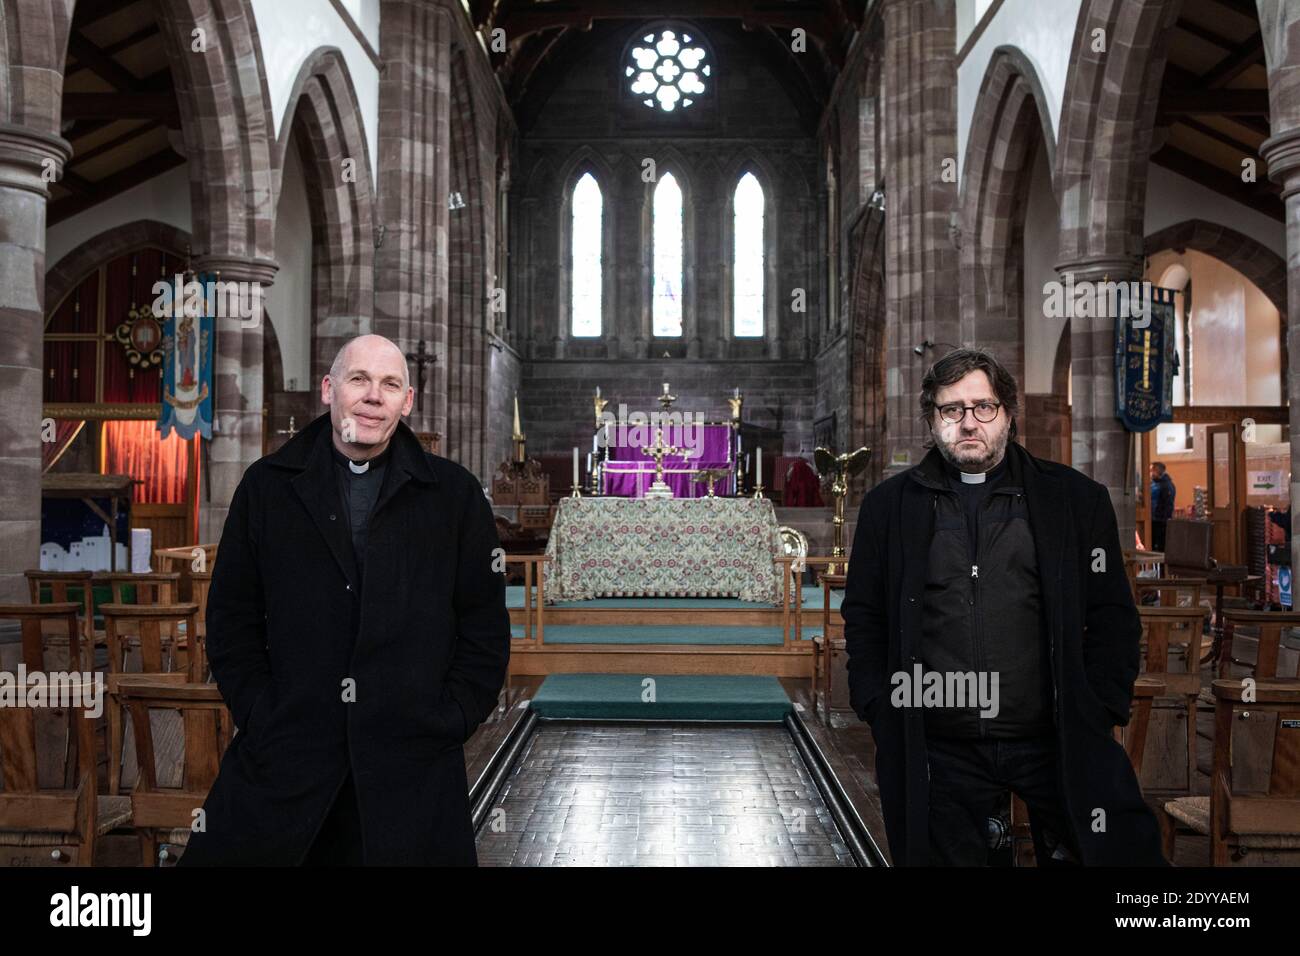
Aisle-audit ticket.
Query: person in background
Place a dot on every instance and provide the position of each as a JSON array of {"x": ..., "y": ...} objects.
[{"x": 1162, "y": 503}]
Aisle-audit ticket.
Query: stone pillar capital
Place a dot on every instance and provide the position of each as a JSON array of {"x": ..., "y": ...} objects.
[
  {"x": 1113, "y": 267},
  {"x": 238, "y": 268},
  {"x": 31, "y": 160},
  {"x": 1282, "y": 153}
]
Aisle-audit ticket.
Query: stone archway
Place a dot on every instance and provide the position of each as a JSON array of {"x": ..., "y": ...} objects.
[
  {"x": 1258, "y": 263},
  {"x": 229, "y": 144},
  {"x": 1117, "y": 64},
  {"x": 327, "y": 127},
  {"x": 1010, "y": 122},
  {"x": 67, "y": 273},
  {"x": 470, "y": 230}
]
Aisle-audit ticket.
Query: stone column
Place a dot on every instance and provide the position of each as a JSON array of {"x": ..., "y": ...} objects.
[
  {"x": 28, "y": 160},
  {"x": 1282, "y": 153},
  {"x": 1099, "y": 441},
  {"x": 411, "y": 265},
  {"x": 919, "y": 111},
  {"x": 237, "y": 382}
]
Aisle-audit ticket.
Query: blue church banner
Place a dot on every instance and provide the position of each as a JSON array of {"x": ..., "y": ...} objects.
[
  {"x": 187, "y": 345},
  {"x": 1144, "y": 359}
]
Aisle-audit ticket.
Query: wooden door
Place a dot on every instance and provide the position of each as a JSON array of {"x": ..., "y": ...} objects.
[{"x": 1225, "y": 469}]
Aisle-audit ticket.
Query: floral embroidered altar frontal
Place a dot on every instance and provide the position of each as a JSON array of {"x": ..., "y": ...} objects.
[{"x": 664, "y": 547}]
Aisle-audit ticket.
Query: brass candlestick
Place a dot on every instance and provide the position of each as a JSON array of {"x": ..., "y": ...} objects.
[{"x": 840, "y": 469}]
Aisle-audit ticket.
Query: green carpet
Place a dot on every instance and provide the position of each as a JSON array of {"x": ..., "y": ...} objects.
[
  {"x": 676, "y": 697},
  {"x": 654, "y": 634},
  {"x": 812, "y": 598}
]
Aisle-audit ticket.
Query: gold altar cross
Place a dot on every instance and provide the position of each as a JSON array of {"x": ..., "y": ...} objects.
[
  {"x": 1145, "y": 349},
  {"x": 657, "y": 451}
]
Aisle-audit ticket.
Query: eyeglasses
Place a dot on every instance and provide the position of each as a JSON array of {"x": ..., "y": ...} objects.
[{"x": 955, "y": 413}]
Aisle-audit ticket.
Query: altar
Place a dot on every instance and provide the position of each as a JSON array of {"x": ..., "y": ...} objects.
[
  {"x": 664, "y": 547},
  {"x": 628, "y": 469}
]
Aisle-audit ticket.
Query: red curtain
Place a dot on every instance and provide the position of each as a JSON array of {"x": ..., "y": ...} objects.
[
  {"x": 134, "y": 448},
  {"x": 65, "y": 430}
]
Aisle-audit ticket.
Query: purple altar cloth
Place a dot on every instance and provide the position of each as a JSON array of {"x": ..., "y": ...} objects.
[{"x": 629, "y": 471}]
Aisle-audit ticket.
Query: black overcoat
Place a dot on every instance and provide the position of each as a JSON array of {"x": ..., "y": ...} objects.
[
  {"x": 420, "y": 647},
  {"x": 1094, "y": 630}
]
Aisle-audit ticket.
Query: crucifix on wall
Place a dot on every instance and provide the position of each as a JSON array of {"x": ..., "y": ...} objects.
[{"x": 422, "y": 358}]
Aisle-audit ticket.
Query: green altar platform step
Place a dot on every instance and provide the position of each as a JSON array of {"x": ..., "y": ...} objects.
[
  {"x": 675, "y": 697},
  {"x": 812, "y": 599},
  {"x": 656, "y": 634}
]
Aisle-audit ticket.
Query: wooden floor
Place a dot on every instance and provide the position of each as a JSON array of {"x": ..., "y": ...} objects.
[{"x": 846, "y": 742}]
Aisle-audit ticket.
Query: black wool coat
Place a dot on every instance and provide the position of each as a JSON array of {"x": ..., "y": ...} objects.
[
  {"x": 423, "y": 642},
  {"x": 1094, "y": 628}
]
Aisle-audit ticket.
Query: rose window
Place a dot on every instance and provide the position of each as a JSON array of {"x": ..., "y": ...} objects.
[{"x": 667, "y": 71}]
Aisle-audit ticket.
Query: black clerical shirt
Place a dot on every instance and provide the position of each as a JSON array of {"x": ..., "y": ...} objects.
[
  {"x": 360, "y": 491},
  {"x": 973, "y": 494}
]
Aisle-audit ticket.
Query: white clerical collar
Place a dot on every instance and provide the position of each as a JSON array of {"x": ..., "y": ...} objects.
[
  {"x": 975, "y": 479},
  {"x": 364, "y": 467}
]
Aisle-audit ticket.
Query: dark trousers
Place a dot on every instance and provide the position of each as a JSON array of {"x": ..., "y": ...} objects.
[
  {"x": 969, "y": 780},
  {"x": 338, "y": 843},
  {"x": 1158, "y": 527}
]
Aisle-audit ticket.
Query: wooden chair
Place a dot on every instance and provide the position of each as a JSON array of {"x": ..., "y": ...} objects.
[
  {"x": 47, "y": 627},
  {"x": 163, "y": 811},
  {"x": 1165, "y": 629},
  {"x": 153, "y": 630},
  {"x": 1270, "y": 625},
  {"x": 58, "y": 583},
  {"x": 200, "y": 585},
  {"x": 1170, "y": 590},
  {"x": 151, "y": 588},
  {"x": 53, "y": 822},
  {"x": 1133, "y": 738},
  {"x": 184, "y": 560},
  {"x": 1261, "y": 821}
]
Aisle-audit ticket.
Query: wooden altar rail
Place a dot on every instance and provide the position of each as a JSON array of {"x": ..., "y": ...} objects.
[{"x": 534, "y": 614}]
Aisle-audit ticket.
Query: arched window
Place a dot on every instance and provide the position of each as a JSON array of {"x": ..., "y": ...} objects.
[
  {"x": 587, "y": 272},
  {"x": 668, "y": 257},
  {"x": 747, "y": 259}
]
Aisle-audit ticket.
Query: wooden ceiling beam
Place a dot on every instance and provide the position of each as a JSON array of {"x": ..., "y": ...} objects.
[
  {"x": 101, "y": 64},
  {"x": 1250, "y": 52},
  {"x": 1262, "y": 195},
  {"x": 1191, "y": 102},
  {"x": 108, "y": 187},
  {"x": 160, "y": 106},
  {"x": 1219, "y": 136}
]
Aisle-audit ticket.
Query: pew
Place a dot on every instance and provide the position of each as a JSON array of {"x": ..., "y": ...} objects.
[
  {"x": 58, "y": 584},
  {"x": 147, "y": 629},
  {"x": 171, "y": 787},
  {"x": 1270, "y": 625},
  {"x": 53, "y": 818},
  {"x": 1132, "y": 737},
  {"x": 1164, "y": 630},
  {"x": 1259, "y": 822}
]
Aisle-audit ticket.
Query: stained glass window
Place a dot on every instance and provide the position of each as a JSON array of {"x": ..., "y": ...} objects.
[
  {"x": 668, "y": 257},
  {"x": 747, "y": 262},
  {"x": 667, "y": 70},
  {"x": 587, "y": 275}
]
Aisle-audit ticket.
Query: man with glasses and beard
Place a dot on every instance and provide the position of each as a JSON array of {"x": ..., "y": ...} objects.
[{"x": 985, "y": 566}]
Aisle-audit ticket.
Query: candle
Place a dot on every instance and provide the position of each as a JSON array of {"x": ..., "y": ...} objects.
[
  {"x": 589, "y": 463},
  {"x": 575, "y": 464},
  {"x": 598, "y": 391},
  {"x": 758, "y": 457},
  {"x": 665, "y": 388},
  {"x": 737, "y": 395}
]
